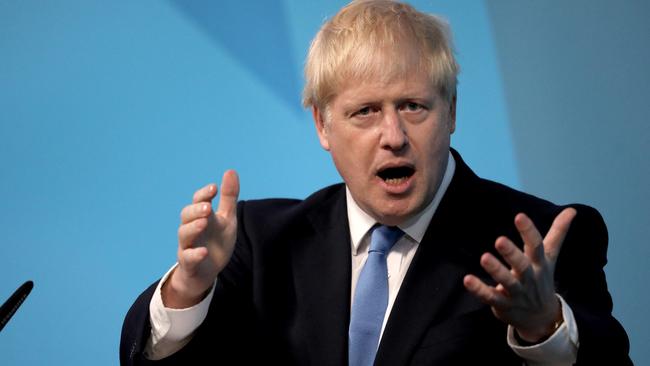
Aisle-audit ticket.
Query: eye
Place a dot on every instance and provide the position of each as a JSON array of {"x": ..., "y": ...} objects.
[
  {"x": 412, "y": 107},
  {"x": 364, "y": 112}
]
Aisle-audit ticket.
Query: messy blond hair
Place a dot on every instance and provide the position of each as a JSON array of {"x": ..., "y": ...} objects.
[{"x": 378, "y": 40}]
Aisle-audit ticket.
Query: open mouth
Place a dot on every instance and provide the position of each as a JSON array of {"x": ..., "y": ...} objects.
[{"x": 396, "y": 175}]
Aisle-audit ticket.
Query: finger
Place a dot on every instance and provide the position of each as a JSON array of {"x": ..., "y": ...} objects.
[
  {"x": 188, "y": 233},
  {"x": 205, "y": 194},
  {"x": 500, "y": 273},
  {"x": 229, "y": 194},
  {"x": 533, "y": 245},
  {"x": 487, "y": 294},
  {"x": 195, "y": 211},
  {"x": 191, "y": 257},
  {"x": 556, "y": 234},
  {"x": 512, "y": 255}
]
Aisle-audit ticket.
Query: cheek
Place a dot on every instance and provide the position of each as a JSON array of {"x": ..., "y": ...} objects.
[
  {"x": 430, "y": 136},
  {"x": 352, "y": 156}
]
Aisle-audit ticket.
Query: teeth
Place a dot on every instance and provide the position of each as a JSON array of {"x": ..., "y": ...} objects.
[{"x": 395, "y": 181}]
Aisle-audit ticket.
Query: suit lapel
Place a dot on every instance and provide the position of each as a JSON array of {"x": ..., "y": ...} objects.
[
  {"x": 431, "y": 290},
  {"x": 322, "y": 275}
]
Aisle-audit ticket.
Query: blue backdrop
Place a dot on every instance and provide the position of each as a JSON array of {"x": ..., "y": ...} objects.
[{"x": 113, "y": 113}]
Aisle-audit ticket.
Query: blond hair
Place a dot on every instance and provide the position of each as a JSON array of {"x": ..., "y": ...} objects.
[{"x": 379, "y": 40}]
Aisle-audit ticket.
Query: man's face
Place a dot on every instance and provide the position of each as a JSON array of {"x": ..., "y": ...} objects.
[{"x": 389, "y": 142}]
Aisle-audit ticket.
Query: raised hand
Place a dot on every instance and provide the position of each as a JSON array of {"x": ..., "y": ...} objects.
[
  {"x": 524, "y": 296},
  {"x": 206, "y": 240}
]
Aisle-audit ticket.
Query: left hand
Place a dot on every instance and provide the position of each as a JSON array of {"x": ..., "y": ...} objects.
[{"x": 524, "y": 296}]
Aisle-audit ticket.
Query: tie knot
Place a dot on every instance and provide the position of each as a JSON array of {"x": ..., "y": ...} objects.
[{"x": 384, "y": 237}]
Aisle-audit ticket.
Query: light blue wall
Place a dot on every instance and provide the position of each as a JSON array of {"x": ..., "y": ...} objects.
[{"x": 112, "y": 113}]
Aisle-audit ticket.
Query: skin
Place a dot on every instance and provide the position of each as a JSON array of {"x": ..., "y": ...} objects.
[
  {"x": 524, "y": 296},
  {"x": 206, "y": 240},
  {"x": 374, "y": 125}
]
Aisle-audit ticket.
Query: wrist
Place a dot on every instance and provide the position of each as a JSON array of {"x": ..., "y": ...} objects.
[
  {"x": 528, "y": 337},
  {"x": 178, "y": 294},
  {"x": 526, "y": 343}
]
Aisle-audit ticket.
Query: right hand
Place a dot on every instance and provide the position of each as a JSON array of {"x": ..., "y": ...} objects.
[{"x": 206, "y": 240}]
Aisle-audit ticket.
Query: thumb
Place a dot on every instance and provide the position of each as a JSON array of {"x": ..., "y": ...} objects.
[
  {"x": 229, "y": 194},
  {"x": 556, "y": 234}
]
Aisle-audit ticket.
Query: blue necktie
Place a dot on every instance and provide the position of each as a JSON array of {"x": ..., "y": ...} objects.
[{"x": 371, "y": 298}]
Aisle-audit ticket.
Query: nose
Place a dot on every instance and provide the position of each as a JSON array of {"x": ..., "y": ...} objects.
[{"x": 393, "y": 132}]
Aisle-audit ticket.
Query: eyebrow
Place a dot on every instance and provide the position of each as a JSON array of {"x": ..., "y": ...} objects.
[{"x": 421, "y": 99}]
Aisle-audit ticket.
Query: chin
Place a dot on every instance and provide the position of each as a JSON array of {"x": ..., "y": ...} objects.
[{"x": 395, "y": 215}]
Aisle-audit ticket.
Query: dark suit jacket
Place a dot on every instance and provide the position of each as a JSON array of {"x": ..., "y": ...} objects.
[{"x": 285, "y": 296}]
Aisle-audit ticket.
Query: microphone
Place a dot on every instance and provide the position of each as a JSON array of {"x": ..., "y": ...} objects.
[{"x": 13, "y": 303}]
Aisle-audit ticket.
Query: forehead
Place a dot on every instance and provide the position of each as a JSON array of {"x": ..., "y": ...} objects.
[{"x": 375, "y": 89}]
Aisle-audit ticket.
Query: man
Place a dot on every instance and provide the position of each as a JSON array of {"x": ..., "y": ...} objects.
[{"x": 409, "y": 239}]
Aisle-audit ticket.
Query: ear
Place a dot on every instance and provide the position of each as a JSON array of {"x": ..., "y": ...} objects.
[
  {"x": 321, "y": 128},
  {"x": 452, "y": 115}
]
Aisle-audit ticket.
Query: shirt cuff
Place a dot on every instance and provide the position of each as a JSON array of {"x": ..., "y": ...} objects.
[
  {"x": 561, "y": 348},
  {"x": 172, "y": 329}
]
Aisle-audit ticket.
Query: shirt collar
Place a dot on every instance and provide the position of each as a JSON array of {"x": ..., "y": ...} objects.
[{"x": 360, "y": 222}]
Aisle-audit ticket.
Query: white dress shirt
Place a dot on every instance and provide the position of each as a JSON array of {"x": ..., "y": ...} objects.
[{"x": 172, "y": 329}]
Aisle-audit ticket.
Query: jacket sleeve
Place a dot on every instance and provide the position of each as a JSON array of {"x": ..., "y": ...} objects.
[
  {"x": 580, "y": 279},
  {"x": 136, "y": 330}
]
